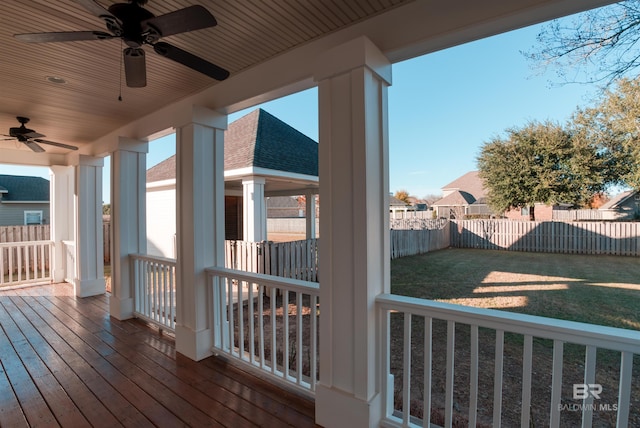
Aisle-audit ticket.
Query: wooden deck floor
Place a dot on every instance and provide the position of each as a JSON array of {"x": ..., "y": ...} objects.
[{"x": 65, "y": 362}]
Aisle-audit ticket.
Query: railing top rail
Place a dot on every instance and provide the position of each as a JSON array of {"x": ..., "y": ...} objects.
[
  {"x": 617, "y": 339},
  {"x": 149, "y": 258},
  {"x": 23, "y": 243},
  {"x": 307, "y": 287}
]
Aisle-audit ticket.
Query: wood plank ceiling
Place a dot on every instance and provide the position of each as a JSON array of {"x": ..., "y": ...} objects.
[{"x": 87, "y": 106}]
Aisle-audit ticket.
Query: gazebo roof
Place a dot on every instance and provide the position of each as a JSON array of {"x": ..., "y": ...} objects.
[{"x": 258, "y": 140}]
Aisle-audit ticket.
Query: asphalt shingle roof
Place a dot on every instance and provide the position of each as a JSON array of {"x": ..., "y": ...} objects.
[
  {"x": 24, "y": 188},
  {"x": 260, "y": 140}
]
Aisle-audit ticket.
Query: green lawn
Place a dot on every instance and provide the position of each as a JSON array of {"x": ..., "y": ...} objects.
[{"x": 593, "y": 289}]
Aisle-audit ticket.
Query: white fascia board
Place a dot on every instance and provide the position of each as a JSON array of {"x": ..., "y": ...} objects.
[
  {"x": 265, "y": 172},
  {"x": 162, "y": 184}
]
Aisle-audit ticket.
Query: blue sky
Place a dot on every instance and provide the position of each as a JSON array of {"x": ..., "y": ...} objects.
[{"x": 442, "y": 107}]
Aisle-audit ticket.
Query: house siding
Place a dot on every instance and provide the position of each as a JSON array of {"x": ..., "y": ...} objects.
[
  {"x": 13, "y": 214},
  {"x": 161, "y": 222}
]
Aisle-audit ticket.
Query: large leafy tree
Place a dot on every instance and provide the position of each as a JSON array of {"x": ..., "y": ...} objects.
[
  {"x": 600, "y": 45},
  {"x": 614, "y": 125},
  {"x": 540, "y": 162}
]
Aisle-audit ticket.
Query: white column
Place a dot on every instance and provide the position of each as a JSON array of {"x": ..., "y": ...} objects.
[
  {"x": 254, "y": 210},
  {"x": 354, "y": 255},
  {"x": 200, "y": 226},
  {"x": 61, "y": 190},
  {"x": 128, "y": 220},
  {"x": 310, "y": 211},
  {"x": 89, "y": 253}
]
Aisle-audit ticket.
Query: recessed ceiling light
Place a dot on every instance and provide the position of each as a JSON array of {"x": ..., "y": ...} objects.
[{"x": 57, "y": 80}]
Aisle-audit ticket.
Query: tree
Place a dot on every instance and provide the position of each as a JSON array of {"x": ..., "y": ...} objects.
[
  {"x": 607, "y": 38},
  {"x": 614, "y": 125},
  {"x": 540, "y": 162},
  {"x": 403, "y": 195}
]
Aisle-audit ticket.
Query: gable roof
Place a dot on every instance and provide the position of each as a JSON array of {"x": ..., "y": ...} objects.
[
  {"x": 393, "y": 201},
  {"x": 470, "y": 183},
  {"x": 456, "y": 198},
  {"x": 260, "y": 140},
  {"x": 617, "y": 200},
  {"x": 16, "y": 188}
]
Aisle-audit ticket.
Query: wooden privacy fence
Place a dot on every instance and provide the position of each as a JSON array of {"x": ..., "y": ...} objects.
[
  {"x": 296, "y": 259},
  {"x": 24, "y": 233},
  {"x": 614, "y": 238},
  {"x": 411, "y": 242}
]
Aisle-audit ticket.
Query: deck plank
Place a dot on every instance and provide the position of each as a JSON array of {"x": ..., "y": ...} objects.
[{"x": 66, "y": 362}]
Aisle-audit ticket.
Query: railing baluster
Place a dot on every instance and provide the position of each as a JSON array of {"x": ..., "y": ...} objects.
[
  {"x": 527, "y": 360},
  {"x": 299, "y": 343},
  {"x": 285, "y": 333},
  {"x": 274, "y": 348},
  {"x": 473, "y": 377},
  {"x": 589, "y": 378},
  {"x": 406, "y": 370},
  {"x": 428, "y": 358},
  {"x": 624, "y": 391},
  {"x": 314, "y": 342},
  {"x": 497, "y": 382},
  {"x": 232, "y": 345},
  {"x": 250, "y": 315},
  {"x": 240, "y": 294},
  {"x": 261, "y": 291},
  {"x": 556, "y": 383},
  {"x": 451, "y": 343}
]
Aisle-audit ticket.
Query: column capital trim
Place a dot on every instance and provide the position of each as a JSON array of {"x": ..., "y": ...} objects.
[
  {"x": 201, "y": 116},
  {"x": 357, "y": 53},
  {"x": 132, "y": 145},
  {"x": 85, "y": 160}
]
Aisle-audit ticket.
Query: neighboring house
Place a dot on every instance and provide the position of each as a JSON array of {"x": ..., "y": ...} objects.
[
  {"x": 625, "y": 206},
  {"x": 397, "y": 208},
  {"x": 264, "y": 159},
  {"x": 464, "y": 196},
  {"x": 542, "y": 212},
  {"x": 23, "y": 200}
]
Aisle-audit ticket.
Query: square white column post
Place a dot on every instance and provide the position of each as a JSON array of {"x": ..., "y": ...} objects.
[
  {"x": 354, "y": 216},
  {"x": 254, "y": 209},
  {"x": 89, "y": 253},
  {"x": 61, "y": 190},
  {"x": 310, "y": 217},
  {"x": 128, "y": 220},
  {"x": 200, "y": 226}
]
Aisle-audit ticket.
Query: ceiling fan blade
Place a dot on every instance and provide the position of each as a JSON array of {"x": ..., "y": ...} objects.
[
  {"x": 135, "y": 68},
  {"x": 33, "y": 146},
  {"x": 190, "y": 60},
  {"x": 64, "y": 36},
  {"x": 191, "y": 18},
  {"x": 53, "y": 143},
  {"x": 95, "y": 8},
  {"x": 33, "y": 134}
]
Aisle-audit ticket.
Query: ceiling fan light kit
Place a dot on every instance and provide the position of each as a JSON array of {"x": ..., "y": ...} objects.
[{"x": 137, "y": 26}]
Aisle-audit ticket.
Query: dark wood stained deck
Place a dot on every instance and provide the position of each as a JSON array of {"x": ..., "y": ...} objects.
[{"x": 66, "y": 362}]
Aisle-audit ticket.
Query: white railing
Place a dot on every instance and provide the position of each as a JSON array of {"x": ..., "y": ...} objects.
[
  {"x": 25, "y": 263},
  {"x": 269, "y": 323},
  {"x": 434, "y": 330},
  {"x": 155, "y": 290}
]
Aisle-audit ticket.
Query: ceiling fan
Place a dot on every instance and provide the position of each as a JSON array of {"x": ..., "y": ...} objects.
[
  {"x": 136, "y": 26},
  {"x": 31, "y": 138}
]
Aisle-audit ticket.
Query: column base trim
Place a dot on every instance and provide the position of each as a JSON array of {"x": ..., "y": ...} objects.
[
  {"x": 336, "y": 408},
  {"x": 196, "y": 345},
  {"x": 121, "y": 309},
  {"x": 90, "y": 287}
]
